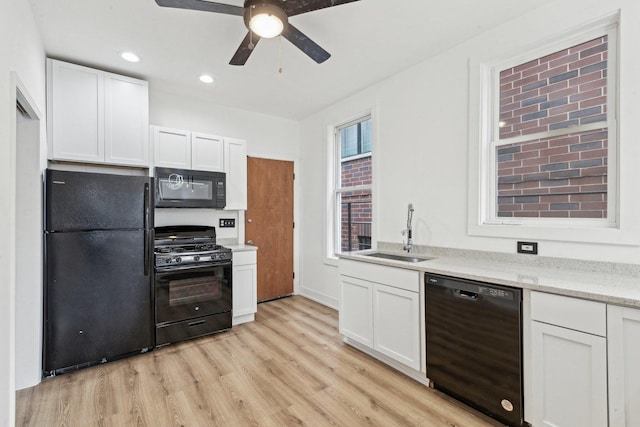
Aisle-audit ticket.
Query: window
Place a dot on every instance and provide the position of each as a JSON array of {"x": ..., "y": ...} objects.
[
  {"x": 549, "y": 143},
  {"x": 352, "y": 182}
]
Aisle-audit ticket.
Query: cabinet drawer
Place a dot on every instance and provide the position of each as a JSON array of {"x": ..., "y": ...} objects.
[
  {"x": 396, "y": 277},
  {"x": 573, "y": 313},
  {"x": 244, "y": 258}
]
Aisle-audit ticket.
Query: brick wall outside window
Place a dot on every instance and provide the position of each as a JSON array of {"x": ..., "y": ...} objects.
[
  {"x": 563, "y": 176},
  {"x": 353, "y": 173}
]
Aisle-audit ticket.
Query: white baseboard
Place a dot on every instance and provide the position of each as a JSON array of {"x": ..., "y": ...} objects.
[
  {"x": 321, "y": 298},
  {"x": 243, "y": 319}
]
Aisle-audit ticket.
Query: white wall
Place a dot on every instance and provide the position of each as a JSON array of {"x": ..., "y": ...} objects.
[
  {"x": 422, "y": 144},
  {"x": 266, "y": 136},
  {"x": 21, "y": 51}
]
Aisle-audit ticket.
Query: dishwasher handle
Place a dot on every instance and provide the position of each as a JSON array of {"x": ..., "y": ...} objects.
[{"x": 461, "y": 293}]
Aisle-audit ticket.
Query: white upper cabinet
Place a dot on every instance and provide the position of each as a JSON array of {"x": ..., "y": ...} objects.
[
  {"x": 207, "y": 153},
  {"x": 96, "y": 117},
  {"x": 75, "y": 108},
  {"x": 181, "y": 149},
  {"x": 235, "y": 162},
  {"x": 126, "y": 120},
  {"x": 171, "y": 148}
]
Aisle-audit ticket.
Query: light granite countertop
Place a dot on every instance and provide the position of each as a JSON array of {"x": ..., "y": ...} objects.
[
  {"x": 240, "y": 247},
  {"x": 606, "y": 282}
]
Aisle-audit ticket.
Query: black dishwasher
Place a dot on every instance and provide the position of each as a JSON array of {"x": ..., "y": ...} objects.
[{"x": 474, "y": 344}]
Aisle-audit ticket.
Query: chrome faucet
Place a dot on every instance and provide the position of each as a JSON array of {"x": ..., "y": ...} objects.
[{"x": 409, "y": 229}]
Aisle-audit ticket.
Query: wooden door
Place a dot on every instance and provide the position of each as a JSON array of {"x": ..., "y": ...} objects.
[{"x": 269, "y": 224}]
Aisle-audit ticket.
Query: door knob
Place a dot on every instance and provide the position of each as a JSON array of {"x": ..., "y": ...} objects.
[
  {"x": 250, "y": 242},
  {"x": 249, "y": 220}
]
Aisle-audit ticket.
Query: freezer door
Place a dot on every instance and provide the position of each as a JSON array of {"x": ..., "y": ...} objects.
[
  {"x": 97, "y": 298},
  {"x": 90, "y": 201}
]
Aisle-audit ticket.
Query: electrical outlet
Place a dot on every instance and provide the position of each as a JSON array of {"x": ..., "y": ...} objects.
[
  {"x": 227, "y": 222},
  {"x": 530, "y": 248}
]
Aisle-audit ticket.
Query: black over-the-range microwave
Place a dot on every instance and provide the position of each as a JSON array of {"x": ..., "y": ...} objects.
[{"x": 182, "y": 188}]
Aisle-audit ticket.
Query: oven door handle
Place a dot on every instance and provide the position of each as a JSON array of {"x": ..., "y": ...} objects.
[{"x": 172, "y": 269}]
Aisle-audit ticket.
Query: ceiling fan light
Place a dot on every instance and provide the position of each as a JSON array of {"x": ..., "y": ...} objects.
[
  {"x": 266, "y": 25},
  {"x": 265, "y": 19}
]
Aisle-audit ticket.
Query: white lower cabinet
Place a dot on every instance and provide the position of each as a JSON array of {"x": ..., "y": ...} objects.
[
  {"x": 396, "y": 316},
  {"x": 623, "y": 336},
  {"x": 569, "y": 377},
  {"x": 568, "y": 366},
  {"x": 245, "y": 286},
  {"x": 380, "y": 308},
  {"x": 356, "y": 310}
]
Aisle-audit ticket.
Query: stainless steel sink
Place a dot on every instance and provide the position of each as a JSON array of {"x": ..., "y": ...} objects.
[{"x": 398, "y": 257}]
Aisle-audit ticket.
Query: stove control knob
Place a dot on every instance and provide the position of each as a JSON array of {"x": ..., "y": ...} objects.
[
  {"x": 168, "y": 260},
  {"x": 196, "y": 258},
  {"x": 178, "y": 259},
  {"x": 213, "y": 257}
]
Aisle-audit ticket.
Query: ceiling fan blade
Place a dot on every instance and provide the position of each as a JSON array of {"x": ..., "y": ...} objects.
[
  {"x": 244, "y": 51},
  {"x": 205, "y": 6},
  {"x": 296, "y": 7},
  {"x": 305, "y": 44}
]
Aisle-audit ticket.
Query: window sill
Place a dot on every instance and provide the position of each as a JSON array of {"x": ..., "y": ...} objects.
[{"x": 599, "y": 235}]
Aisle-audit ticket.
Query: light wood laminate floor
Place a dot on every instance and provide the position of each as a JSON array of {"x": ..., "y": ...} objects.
[{"x": 289, "y": 367}]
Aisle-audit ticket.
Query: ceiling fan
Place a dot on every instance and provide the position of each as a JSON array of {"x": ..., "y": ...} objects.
[{"x": 265, "y": 19}]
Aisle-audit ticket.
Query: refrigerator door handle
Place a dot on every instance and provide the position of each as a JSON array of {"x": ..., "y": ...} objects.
[{"x": 146, "y": 229}]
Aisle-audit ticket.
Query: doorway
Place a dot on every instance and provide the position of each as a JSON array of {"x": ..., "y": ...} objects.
[
  {"x": 269, "y": 224},
  {"x": 28, "y": 240}
]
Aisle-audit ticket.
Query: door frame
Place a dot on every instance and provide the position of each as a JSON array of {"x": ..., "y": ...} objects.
[
  {"x": 20, "y": 95},
  {"x": 296, "y": 215}
]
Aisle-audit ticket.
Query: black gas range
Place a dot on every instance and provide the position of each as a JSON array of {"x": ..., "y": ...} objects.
[
  {"x": 187, "y": 246},
  {"x": 193, "y": 283}
]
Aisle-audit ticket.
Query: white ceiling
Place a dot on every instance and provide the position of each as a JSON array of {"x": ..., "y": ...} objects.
[{"x": 368, "y": 39}]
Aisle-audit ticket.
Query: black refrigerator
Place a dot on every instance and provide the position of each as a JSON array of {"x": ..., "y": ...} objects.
[{"x": 98, "y": 287}]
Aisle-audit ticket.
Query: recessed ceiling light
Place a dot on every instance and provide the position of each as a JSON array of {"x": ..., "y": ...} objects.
[
  {"x": 205, "y": 78},
  {"x": 130, "y": 56}
]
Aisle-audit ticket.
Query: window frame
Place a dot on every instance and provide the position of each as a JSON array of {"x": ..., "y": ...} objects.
[
  {"x": 335, "y": 180},
  {"x": 483, "y": 219}
]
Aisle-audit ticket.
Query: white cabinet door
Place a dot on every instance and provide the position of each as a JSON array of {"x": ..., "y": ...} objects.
[
  {"x": 569, "y": 377},
  {"x": 171, "y": 148},
  {"x": 126, "y": 120},
  {"x": 75, "y": 104},
  {"x": 396, "y": 320},
  {"x": 356, "y": 310},
  {"x": 623, "y": 334},
  {"x": 235, "y": 163},
  {"x": 207, "y": 153},
  {"x": 244, "y": 290}
]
